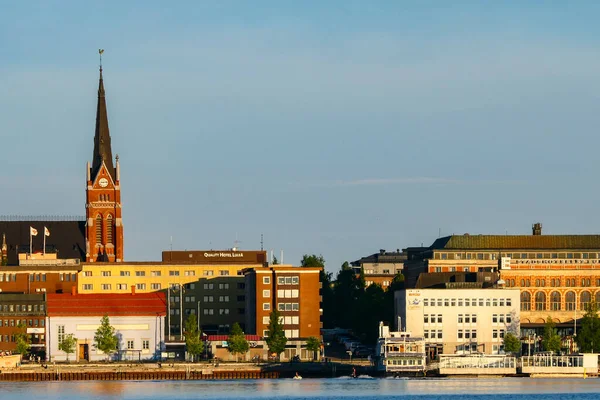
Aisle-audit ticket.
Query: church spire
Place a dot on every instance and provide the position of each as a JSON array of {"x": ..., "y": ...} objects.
[{"x": 102, "y": 147}]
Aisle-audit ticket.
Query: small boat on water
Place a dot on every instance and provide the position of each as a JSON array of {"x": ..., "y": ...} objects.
[{"x": 297, "y": 376}]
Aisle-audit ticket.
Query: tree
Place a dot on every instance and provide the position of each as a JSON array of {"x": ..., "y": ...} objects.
[
  {"x": 68, "y": 344},
  {"x": 313, "y": 344},
  {"x": 105, "y": 338},
  {"x": 275, "y": 261},
  {"x": 236, "y": 342},
  {"x": 512, "y": 344},
  {"x": 22, "y": 340},
  {"x": 275, "y": 339},
  {"x": 551, "y": 340},
  {"x": 312, "y": 260},
  {"x": 588, "y": 336},
  {"x": 193, "y": 341}
]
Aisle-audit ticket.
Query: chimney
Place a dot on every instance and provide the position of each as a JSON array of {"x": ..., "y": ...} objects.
[
  {"x": 73, "y": 290},
  {"x": 133, "y": 290},
  {"x": 381, "y": 251},
  {"x": 537, "y": 229}
]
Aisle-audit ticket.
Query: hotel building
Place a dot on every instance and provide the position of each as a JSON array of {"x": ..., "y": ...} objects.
[{"x": 462, "y": 319}]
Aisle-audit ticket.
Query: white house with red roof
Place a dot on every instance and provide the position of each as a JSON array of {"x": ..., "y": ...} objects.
[{"x": 138, "y": 319}]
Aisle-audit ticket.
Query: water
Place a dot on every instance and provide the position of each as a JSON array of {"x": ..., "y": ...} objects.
[{"x": 313, "y": 389}]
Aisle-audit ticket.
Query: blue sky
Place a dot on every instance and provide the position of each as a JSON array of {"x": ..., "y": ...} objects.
[{"x": 335, "y": 128}]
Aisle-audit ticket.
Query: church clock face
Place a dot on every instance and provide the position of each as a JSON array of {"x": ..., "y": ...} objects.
[{"x": 103, "y": 182}]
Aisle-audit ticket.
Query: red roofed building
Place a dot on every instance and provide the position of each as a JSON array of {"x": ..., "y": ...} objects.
[{"x": 138, "y": 319}]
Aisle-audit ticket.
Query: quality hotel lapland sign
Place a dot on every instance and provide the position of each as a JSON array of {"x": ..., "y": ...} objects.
[{"x": 220, "y": 254}]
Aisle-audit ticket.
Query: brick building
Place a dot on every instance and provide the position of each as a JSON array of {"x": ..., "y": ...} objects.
[{"x": 23, "y": 313}]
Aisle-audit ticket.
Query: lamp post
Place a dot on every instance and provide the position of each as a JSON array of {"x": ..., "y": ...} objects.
[{"x": 199, "y": 330}]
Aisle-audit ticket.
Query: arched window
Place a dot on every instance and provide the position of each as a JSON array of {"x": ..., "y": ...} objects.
[
  {"x": 522, "y": 282},
  {"x": 555, "y": 301},
  {"x": 540, "y": 301},
  {"x": 537, "y": 283},
  {"x": 543, "y": 282},
  {"x": 527, "y": 283},
  {"x": 109, "y": 228},
  {"x": 584, "y": 300},
  {"x": 570, "y": 301},
  {"x": 525, "y": 301},
  {"x": 99, "y": 228}
]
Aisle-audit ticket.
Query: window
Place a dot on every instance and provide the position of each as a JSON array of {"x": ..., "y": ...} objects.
[
  {"x": 223, "y": 299},
  {"x": 241, "y": 298},
  {"x": 266, "y": 293},
  {"x": 208, "y": 299},
  {"x": 224, "y": 273},
  {"x": 190, "y": 273},
  {"x": 87, "y": 273},
  {"x": 266, "y": 306},
  {"x": 130, "y": 345},
  {"x": 540, "y": 301},
  {"x": 99, "y": 228},
  {"x": 106, "y": 286},
  {"x": 155, "y": 286},
  {"x": 140, "y": 286},
  {"x": 140, "y": 273},
  {"x": 125, "y": 273},
  {"x": 61, "y": 333},
  {"x": 223, "y": 285},
  {"x": 585, "y": 300},
  {"x": 104, "y": 273},
  {"x": 266, "y": 320},
  {"x": 208, "y": 272},
  {"x": 208, "y": 311},
  {"x": 208, "y": 286},
  {"x": 121, "y": 286},
  {"x": 266, "y": 280},
  {"x": 174, "y": 273},
  {"x": 555, "y": 301},
  {"x": 109, "y": 228},
  {"x": 281, "y": 280},
  {"x": 88, "y": 286},
  {"x": 223, "y": 311},
  {"x": 145, "y": 344},
  {"x": 453, "y": 302},
  {"x": 155, "y": 273}
]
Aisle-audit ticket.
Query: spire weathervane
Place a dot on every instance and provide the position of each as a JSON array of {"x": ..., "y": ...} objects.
[{"x": 100, "y": 51}]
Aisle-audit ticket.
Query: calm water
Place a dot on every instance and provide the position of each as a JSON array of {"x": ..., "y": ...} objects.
[{"x": 314, "y": 389}]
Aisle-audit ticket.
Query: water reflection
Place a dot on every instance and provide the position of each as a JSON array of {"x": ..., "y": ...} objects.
[{"x": 314, "y": 389}]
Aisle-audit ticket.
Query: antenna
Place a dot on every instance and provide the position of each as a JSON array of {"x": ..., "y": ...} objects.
[
  {"x": 261, "y": 242},
  {"x": 236, "y": 242}
]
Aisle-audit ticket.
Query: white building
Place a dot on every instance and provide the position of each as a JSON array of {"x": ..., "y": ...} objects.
[
  {"x": 138, "y": 319},
  {"x": 459, "y": 321}
]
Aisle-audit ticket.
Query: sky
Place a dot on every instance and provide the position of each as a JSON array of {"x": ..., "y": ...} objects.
[{"x": 336, "y": 128}]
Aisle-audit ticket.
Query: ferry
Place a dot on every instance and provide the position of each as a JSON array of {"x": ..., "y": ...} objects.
[{"x": 399, "y": 353}]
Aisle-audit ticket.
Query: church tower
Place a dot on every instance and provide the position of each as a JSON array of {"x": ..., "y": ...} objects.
[{"x": 104, "y": 227}]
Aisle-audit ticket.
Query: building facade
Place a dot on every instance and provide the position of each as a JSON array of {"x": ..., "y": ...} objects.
[
  {"x": 293, "y": 291},
  {"x": 138, "y": 319},
  {"x": 23, "y": 313},
  {"x": 558, "y": 275},
  {"x": 459, "y": 320},
  {"x": 380, "y": 268}
]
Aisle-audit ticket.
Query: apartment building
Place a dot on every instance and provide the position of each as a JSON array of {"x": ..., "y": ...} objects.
[
  {"x": 293, "y": 291},
  {"x": 23, "y": 313},
  {"x": 460, "y": 319}
]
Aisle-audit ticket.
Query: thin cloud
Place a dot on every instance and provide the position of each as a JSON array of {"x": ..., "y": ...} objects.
[{"x": 398, "y": 181}]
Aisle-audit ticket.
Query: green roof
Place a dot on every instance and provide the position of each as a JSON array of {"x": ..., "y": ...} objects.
[{"x": 517, "y": 242}]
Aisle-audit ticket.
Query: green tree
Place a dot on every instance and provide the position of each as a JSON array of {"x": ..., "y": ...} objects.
[
  {"x": 512, "y": 344},
  {"x": 313, "y": 344},
  {"x": 22, "y": 340},
  {"x": 551, "y": 339},
  {"x": 312, "y": 260},
  {"x": 193, "y": 341},
  {"x": 236, "y": 342},
  {"x": 275, "y": 339},
  {"x": 588, "y": 335},
  {"x": 105, "y": 338},
  {"x": 68, "y": 344}
]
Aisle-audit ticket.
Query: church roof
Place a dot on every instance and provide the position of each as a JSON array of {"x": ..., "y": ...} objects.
[
  {"x": 102, "y": 147},
  {"x": 66, "y": 237},
  {"x": 517, "y": 242}
]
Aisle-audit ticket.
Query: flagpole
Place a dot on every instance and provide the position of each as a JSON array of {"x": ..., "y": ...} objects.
[
  {"x": 44, "y": 250},
  {"x": 30, "y": 243}
]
